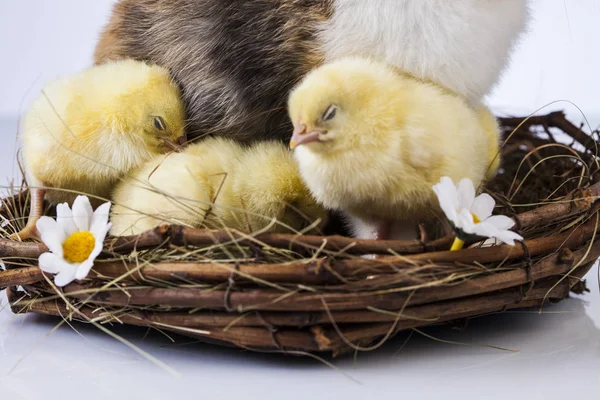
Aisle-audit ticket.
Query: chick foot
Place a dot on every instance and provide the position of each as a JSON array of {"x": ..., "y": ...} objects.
[
  {"x": 374, "y": 229},
  {"x": 423, "y": 235},
  {"x": 36, "y": 208},
  {"x": 383, "y": 229}
]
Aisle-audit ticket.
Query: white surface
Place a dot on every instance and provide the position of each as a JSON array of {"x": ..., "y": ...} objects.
[
  {"x": 559, "y": 352},
  {"x": 558, "y": 359}
]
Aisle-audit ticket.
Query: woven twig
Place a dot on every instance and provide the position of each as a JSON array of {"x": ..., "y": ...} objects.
[
  {"x": 321, "y": 296},
  {"x": 255, "y": 330},
  {"x": 580, "y": 201}
]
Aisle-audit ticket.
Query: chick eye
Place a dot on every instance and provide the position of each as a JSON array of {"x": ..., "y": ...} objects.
[
  {"x": 160, "y": 124},
  {"x": 329, "y": 114}
]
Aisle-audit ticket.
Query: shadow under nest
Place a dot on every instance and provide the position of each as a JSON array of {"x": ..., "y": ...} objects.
[{"x": 299, "y": 293}]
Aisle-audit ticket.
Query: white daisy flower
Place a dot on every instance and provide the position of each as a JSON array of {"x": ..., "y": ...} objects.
[
  {"x": 473, "y": 215},
  {"x": 74, "y": 239}
]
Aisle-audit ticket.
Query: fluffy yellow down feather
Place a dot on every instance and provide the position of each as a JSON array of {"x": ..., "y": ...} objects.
[
  {"x": 87, "y": 130},
  {"x": 217, "y": 183},
  {"x": 372, "y": 141}
]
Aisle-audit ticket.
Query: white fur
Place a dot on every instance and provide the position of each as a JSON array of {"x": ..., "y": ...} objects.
[{"x": 461, "y": 44}]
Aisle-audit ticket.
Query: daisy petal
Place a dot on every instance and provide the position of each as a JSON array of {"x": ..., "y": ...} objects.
[
  {"x": 100, "y": 219},
  {"x": 50, "y": 263},
  {"x": 447, "y": 184},
  {"x": 51, "y": 234},
  {"x": 86, "y": 266},
  {"x": 509, "y": 237},
  {"x": 485, "y": 229},
  {"x": 466, "y": 194},
  {"x": 65, "y": 272},
  {"x": 84, "y": 269},
  {"x": 99, "y": 244},
  {"x": 82, "y": 213},
  {"x": 46, "y": 225},
  {"x": 483, "y": 205},
  {"x": 64, "y": 217},
  {"x": 446, "y": 194},
  {"x": 501, "y": 222},
  {"x": 465, "y": 221},
  {"x": 66, "y": 276}
]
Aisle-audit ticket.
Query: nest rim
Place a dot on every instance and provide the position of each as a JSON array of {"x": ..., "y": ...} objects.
[{"x": 331, "y": 300}]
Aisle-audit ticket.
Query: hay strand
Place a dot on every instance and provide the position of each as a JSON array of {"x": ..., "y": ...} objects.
[{"x": 300, "y": 293}]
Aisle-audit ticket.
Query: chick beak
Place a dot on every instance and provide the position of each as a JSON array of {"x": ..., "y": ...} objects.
[
  {"x": 176, "y": 147},
  {"x": 182, "y": 140},
  {"x": 300, "y": 136}
]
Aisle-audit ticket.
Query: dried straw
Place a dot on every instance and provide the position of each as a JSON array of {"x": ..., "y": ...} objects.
[{"x": 294, "y": 292}]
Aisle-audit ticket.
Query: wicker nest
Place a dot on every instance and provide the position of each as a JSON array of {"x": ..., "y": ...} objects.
[{"x": 295, "y": 293}]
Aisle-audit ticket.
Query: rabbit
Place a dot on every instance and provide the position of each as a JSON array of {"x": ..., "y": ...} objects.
[{"x": 237, "y": 60}]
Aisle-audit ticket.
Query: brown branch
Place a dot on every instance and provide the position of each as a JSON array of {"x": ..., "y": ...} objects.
[
  {"x": 255, "y": 330},
  {"x": 23, "y": 250},
  {"x": 412, "y": 314},
  {"x": 579, "y": 202},
  {"x": 326, "y": 271},
  {"x": 298, "y": 320},
  {"x": 555, "y": 119},
  {"x": 323, "y": 271},
  {"x": 184, "y": 236},
  {"x": 540, "y": 146},
  {"x": 314, "y": 272},
  {"x": 573, "y": 238},
  {"x": 21, "y": 276},
  {"x": 270, "y": 300}
]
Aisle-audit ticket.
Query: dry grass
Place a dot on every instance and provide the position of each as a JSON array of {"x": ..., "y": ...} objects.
[{"x": 293, "y": 292}]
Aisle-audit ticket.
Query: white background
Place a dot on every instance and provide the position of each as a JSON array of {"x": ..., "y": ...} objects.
[{"x": 559, "y": 350}]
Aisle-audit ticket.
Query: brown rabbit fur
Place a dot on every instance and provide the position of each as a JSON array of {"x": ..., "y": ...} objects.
[{"x": 236, "y": 60}]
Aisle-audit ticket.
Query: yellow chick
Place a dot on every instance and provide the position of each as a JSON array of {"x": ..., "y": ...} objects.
[
  {"x": 372, "y": 141},
  {"x": 88, "y": 130},
  {"x": 217, "y": 183}
]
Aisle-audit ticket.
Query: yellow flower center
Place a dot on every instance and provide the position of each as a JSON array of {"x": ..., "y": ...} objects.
[
  {"x": 475, "y": 219},
  {"x": 78, "y": 247}
]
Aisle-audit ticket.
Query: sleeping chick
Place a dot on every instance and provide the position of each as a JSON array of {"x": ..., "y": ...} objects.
[
  {"x": 372, "y": 142},
  {"x": 214, "y": 184},
  {"x": 268, "y": 184},
  {"x": 88, "y": 130}
]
